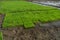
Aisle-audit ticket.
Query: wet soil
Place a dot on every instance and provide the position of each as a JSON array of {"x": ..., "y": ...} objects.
[
  {"x": 1, "y": 19},
  {"x": 36, "y": 33}
]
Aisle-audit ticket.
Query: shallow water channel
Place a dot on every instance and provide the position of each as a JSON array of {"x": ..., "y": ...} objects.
[{"x": 50, "y": 3}]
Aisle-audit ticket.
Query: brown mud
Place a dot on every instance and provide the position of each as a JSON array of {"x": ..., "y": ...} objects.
[
  {"x": 36, "y": 33},
  {"x": 1, "y": 20}
]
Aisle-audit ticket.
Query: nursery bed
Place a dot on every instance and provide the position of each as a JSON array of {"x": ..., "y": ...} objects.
[{"x": 27, "y": 13}]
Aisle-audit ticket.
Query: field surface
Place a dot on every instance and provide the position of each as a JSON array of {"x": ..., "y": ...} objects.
[
  {"x": 1, "y": 35},
  {"x": 27, "y": 13}
]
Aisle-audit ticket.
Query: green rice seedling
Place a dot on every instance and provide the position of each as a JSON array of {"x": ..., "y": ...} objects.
[
  {"x": 27, "y": 13},
  {"x": 1, "y": 36}
]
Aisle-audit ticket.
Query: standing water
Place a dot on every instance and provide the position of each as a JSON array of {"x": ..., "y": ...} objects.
[{"x": 51, "y": 3}]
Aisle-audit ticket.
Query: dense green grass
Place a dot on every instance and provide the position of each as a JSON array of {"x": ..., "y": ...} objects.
[
  {"x": 27, "y": 13},
  {"x": 13, "y": 0},
  {"x": 1, "y": 36}
]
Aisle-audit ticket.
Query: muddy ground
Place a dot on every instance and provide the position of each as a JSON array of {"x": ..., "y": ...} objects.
[
  {"x": 36, "y": 33},
  {"x": 1, "y": 20}
]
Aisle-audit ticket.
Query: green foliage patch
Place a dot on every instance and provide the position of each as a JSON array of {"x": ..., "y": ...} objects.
[
  {"x": 27, "y": 13},
  {"x": 1, "y": 35}
]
